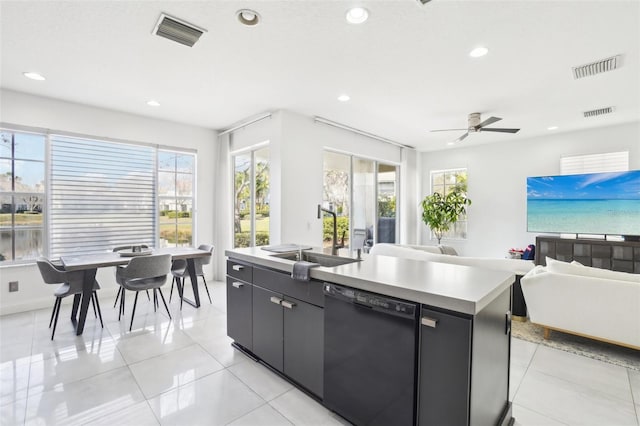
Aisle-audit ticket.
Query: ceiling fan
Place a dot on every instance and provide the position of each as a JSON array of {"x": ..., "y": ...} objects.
[{"x": 475, "y": 125}]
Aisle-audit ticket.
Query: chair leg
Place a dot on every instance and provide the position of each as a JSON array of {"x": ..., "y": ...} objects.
[
  {"x": 53, "y": 312},
  {"x": 165, "y": 303},
  {"x": 149, "y": 298},
  {"x": 207, "y": 288},
  {"x": 55, "y": 322},
  {"x": 133, "y": 312},
  {"x": 181, "y": 288},
  {"x": 120, "y": 290},
  {"x": 95, "y": 296},
  {"x": 155, "y": 300},
  {"x": 173, "y": 283},
  {"x": 121, "y": 304},
  {"x": 93, "y": 302}
]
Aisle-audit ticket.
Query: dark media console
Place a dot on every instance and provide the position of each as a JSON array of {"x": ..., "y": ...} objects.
[{"x": 621, "y": 256}]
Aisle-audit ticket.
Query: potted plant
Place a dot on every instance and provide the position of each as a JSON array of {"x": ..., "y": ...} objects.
[{"x": 440, "y": 212}]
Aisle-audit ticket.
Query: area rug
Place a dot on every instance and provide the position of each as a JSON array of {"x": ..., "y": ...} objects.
[{"x": 613, "y": 354}]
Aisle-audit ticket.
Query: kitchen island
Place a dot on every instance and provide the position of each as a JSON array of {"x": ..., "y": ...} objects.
[{"x": 457, "y": 320}]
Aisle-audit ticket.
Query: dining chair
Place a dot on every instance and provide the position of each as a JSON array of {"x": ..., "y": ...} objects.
[
  {"x": 144, "y": 273},
  {"x": 179, "y": 271},
  {"x": 71, "y": 283},
  {"x": 120, "y": 248}
]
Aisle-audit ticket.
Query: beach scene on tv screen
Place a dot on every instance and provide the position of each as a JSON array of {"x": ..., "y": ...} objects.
[{"x": 595, "y": 203}]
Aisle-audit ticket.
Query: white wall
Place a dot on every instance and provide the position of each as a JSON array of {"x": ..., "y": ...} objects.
[
  {"x": 33, "y": 111},
  {"x": 297, "y": 143},
  {"x": 497, "y": 181}
]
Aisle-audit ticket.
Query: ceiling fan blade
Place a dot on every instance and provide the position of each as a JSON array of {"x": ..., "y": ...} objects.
[
  {"x": 488, "y": 121},
  {"x": 446, "y": 130},
  {"x": 498, "y": 130},
  {"x": 461, "y": 138}
]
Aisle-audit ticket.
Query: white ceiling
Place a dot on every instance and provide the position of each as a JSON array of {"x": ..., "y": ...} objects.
[{"x": 406, "y": 69}]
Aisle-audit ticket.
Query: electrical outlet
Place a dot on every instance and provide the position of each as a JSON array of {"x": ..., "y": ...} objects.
[{"x": 13, "y": 286}]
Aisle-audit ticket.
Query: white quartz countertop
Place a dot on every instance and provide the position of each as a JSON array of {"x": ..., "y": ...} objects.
[{"x": 465, "y": 289}]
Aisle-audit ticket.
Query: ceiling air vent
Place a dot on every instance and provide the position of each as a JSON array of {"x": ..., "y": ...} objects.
[
  {"x": 177, "y": 30},
  {"x": 597, "y": 67},
  {"x": 597, "y": 112}
]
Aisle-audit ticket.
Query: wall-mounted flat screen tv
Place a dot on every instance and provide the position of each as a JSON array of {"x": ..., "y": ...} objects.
[{"x": 594, "y": 203}]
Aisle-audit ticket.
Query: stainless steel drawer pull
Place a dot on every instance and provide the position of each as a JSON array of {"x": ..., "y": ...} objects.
[
  {"x": 237, "y": 284},
  {"x": 429, "y": 322},
  {"x": 288, "y": 304},
  {"x": 275, "y": 300},
  {"x": 238, "y": 267}
]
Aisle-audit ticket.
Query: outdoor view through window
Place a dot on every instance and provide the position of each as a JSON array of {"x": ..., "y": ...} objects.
[
  {"x": 251, "y": 198},
  {"x": 362, "y": 192},
  {"x": 22, "y": 191}
]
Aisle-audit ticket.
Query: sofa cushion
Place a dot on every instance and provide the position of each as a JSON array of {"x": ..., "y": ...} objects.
[{"x": 560, "y": 267}]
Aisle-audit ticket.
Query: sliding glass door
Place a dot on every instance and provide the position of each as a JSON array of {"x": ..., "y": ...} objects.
[
  {"x": 251, "y": 198},
  {"x": 362, "y": 193}
]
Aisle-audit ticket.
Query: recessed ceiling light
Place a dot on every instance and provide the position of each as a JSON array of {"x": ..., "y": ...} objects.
[
  {"x": 34, "y": 76},
  {"x": 344, "y": 98},
  {"x": 248, "y": 17},
  {"x": 153, "y": 103},
  {"x": 357, "y": 15},
  {"x": 478, "y": 52},
  {"x": 552, "y": 127}
]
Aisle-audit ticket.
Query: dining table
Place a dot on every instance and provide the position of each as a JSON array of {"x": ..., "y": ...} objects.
[{"x": 89, "y": 264}]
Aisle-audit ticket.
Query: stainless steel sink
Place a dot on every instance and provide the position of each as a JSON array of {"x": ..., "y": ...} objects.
[{"x": 321, "y": 259}]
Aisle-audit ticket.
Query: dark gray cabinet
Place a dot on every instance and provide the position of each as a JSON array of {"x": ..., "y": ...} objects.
[
  {"x": 240, "y": 312},
  {"x": 239, "y": 303},
  {"x": 287, "y": 332},
  {"x": 456, "y": 351},
  {"x": 621, "y": 256},
  {"x": 445, "y": 357},
  {"x": 304, "y": 344},
  {"x": 267, "y": 327}
]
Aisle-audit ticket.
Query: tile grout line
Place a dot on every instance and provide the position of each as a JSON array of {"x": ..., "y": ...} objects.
[{"x": 633, "y": 400}]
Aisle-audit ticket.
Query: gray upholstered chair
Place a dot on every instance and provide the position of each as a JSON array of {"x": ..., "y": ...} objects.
[
  {"x": 120, "y": 248},
  {"x": 144, "y": 273},
  {"x": 179, "y": 272},
  {"x": 71, "y": 283}
]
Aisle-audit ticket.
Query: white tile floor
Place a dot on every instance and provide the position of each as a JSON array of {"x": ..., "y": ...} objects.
[{"x": 185, "y": 372}]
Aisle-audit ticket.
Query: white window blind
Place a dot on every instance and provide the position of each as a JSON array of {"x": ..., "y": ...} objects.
[
  {"x": 103, "y": 194},
  {"x": 595, "y": 163}
]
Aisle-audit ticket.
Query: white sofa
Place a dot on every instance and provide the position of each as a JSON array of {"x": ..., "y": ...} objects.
[
  {"x": 590, "y": 302},
  {"x": 434, "y": 254}
]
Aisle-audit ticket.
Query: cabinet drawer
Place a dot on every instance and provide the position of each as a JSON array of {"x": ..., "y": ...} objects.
[
  {"x": 240, "y": 270},
  {"x": 307, "y": 291}
]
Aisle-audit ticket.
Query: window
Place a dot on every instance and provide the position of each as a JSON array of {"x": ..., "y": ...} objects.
[
  {"x": 103, "y": 194},
  {"x": 363, "y": 193},
  {"x": 176, "y": 171},
  {"x": 443, "y": 182},
  {"x": 61, "y": 194},
  {"x": 595, "y": 163},
  {"x": 251, "y": 198},
  {"x": 22, "y": 195}
]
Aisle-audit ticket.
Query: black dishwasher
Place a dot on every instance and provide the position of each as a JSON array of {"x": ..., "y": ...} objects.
[{"x": 369, "y": 356}]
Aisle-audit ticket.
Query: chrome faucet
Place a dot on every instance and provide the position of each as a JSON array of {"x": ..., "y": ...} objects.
[{"x": 334, "y": 244}]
